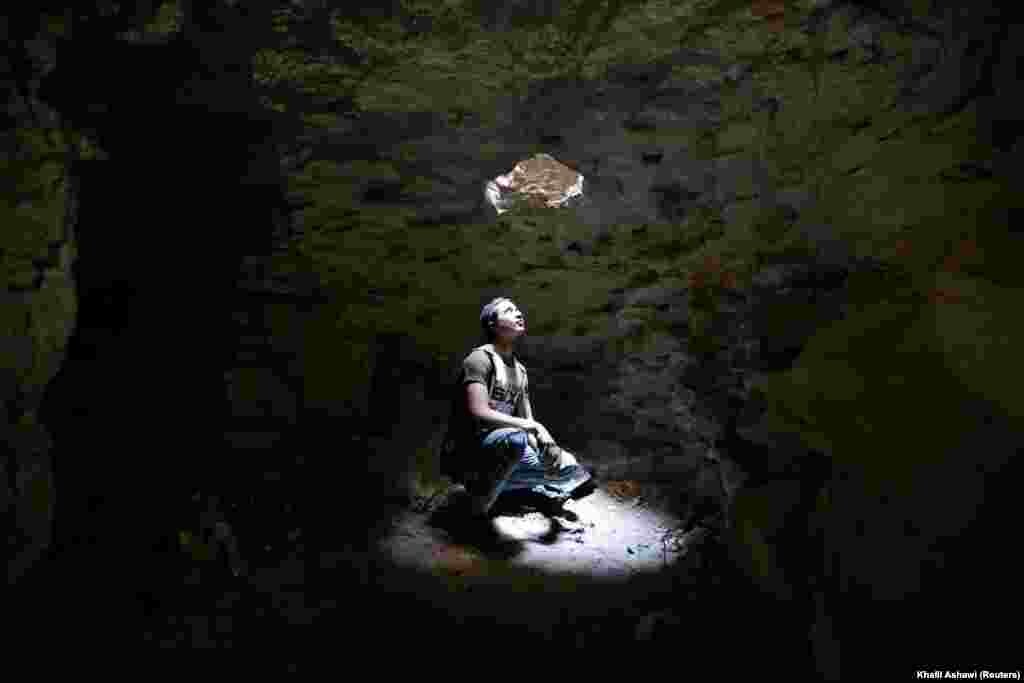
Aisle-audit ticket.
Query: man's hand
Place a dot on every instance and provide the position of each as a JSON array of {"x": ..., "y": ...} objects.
[
  {"x": 542, "y": 435},
  {"x": 541, "y": 441},
  {"x": 551, "y": 458},
  {"x": 532, "y": 440}
]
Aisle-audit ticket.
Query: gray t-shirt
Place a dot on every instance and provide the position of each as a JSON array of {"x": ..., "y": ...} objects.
[{"x": 477, "y": 367}]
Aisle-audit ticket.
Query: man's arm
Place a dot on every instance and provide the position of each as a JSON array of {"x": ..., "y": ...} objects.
[
  {"x": 542, "y": 434},
  {"x": 528, "y": 414},
  {"x": 551, "y": 458},
  {"x": 527, "y": 409}
]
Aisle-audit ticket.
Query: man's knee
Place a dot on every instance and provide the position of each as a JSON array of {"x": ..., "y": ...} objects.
[
  {"x": 567, "y": 459},
  {"x": 509, "y": 447},
  {"x": 517, "y": 443}
]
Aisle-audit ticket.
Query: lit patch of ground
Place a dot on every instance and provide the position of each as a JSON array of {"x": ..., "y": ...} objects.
[{"x": 611, "y": 534}]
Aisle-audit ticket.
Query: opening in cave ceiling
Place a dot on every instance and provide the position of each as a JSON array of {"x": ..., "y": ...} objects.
[{"x": 540, "y": 181}]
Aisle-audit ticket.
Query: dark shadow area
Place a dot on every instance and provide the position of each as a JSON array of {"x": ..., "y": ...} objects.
[{"x": 190, "y": 184}]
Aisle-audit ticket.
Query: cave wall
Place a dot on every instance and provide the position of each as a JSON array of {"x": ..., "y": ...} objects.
[
  {"x": 39, "y": 304},
  {"x": 144, "y": 176}
]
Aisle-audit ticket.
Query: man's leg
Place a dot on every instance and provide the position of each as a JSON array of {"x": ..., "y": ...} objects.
[
  {"x": 514, "y": 464},
  {"x": 557, "y": 483},
  {"x": 502, "y": 450}
]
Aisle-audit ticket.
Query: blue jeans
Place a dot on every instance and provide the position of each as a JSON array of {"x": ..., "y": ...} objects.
[{"x": 513, "y": 464}]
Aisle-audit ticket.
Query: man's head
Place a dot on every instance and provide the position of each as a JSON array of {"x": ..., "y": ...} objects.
[{"x": 502, "y": 318}]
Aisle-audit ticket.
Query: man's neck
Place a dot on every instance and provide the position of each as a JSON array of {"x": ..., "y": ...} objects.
[{"x": 503, "y": 349}]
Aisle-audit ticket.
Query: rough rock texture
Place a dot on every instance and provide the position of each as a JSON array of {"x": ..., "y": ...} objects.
[
  {"x": 116, "y": 395},
  {"x": 789, "y": 289},
  {"x": 38, "y": 306}
]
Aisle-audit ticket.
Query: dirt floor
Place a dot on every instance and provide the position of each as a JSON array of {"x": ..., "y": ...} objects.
[
  {"x": 611, "y": 574},
  {"x": 601, "y": 572},
  {"x": 613, "y": 533}
]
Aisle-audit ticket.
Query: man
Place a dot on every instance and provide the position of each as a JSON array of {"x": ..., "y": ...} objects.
[{"x": 504, "y": 447}]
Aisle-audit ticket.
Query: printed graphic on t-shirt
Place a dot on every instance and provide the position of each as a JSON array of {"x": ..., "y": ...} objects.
[
  {"x": 504, "y": 400},
  {"x": 504, "y": 395}
]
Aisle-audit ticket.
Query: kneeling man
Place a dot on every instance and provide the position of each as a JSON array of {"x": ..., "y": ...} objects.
[{"x": 505, "y": 448}]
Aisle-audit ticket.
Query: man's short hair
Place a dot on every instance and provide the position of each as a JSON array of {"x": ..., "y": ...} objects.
[{"x": 489, "y": 315}]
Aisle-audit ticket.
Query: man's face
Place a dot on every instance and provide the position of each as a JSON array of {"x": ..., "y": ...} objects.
[{"x": 511, "y": 322}]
